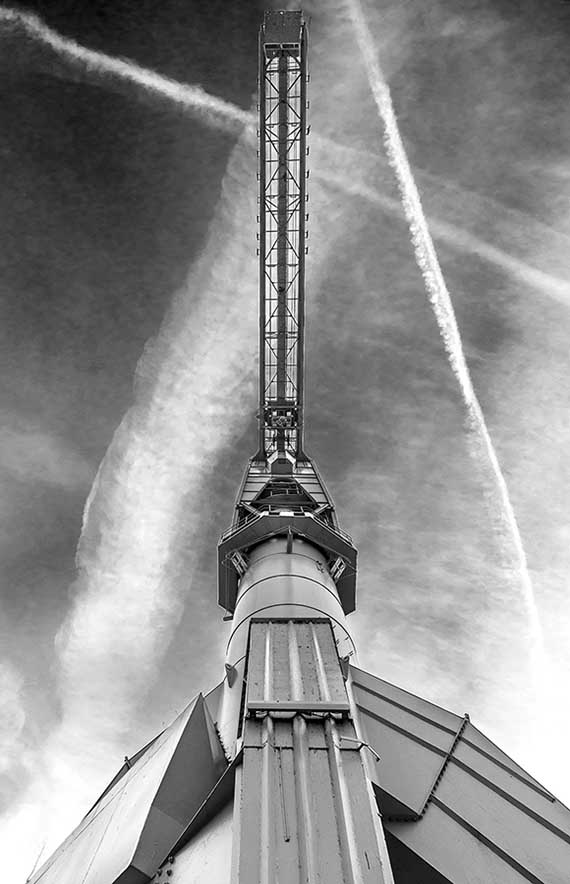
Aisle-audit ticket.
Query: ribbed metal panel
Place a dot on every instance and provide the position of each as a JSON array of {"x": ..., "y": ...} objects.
[
  {"x": 294, "y": 664},
  {"x": 304, "y": 810}
]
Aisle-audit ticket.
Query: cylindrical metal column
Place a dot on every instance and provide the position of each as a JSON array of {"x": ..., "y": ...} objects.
[{"x": 293, "y": 584}]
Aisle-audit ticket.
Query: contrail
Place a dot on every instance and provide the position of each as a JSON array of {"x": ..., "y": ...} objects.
[
  {"x": 96, "y": 65},
  {"x": 229, "y": 117},
  {"x": 441, "y": 303},
  {"x": 459, "y": 238}
]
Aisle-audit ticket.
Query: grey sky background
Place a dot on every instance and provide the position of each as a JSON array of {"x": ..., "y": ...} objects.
[{"x": 128, "y": 283}]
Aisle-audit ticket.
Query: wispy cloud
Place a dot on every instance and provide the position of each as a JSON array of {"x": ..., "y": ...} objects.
[
  {"x": 194, "y": 391},
  {"x": 194, "y": 386},
  {"x": 460, "y": 239}
]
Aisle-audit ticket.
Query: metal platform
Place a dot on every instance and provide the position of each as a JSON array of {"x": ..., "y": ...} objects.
[{"x": 263, "y": 526}]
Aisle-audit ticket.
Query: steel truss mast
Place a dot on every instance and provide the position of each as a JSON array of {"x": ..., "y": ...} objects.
[{"x": 282, "y": 216}]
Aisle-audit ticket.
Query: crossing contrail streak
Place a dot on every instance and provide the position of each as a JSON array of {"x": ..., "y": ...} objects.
[
  {"x": 458, "y": 238},
  {"x": 229, "y": 117},
  {"x": 96, "y": 65},
  {"x": 441, "y": 303}
]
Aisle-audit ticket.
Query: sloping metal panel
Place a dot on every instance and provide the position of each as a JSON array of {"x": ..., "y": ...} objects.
[
  {"x": 294, "y": 664},
  {"x": 412, "y": 737},
  {"x": 522, "y": 838},
  {"x": 408, "y": 702},
  {"x": 213, "y": 699},
  {"x": 485, "y": 747},
  {"x": 408, "y": 867},
  {"x": 129, "y": 762},
  {"x": 133, "y": 825},
  {"x": 453, "y": 852},
  {"x": 483, "y": 818}
]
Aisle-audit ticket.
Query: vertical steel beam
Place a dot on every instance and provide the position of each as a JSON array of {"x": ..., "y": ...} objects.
[
  {"x": 262, "y": 241},
  {"x": 282, "y": 223},
  {"x": 302, "y": 248}
]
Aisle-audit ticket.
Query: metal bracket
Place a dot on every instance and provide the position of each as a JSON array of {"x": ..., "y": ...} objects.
[
  {"x": 337, "y": 568},
  {"x": 231, "y": 674},
  {"x": 360, "y": 744},
  {"x": 239, "y": 561}
]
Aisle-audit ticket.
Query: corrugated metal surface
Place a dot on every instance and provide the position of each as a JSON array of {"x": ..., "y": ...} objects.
[
  {"x": 293, "y": 664},
  {"x": 465, "y": 808},
  {"x": 135, "y": 823},
  {"x": 304, "y": 809}
]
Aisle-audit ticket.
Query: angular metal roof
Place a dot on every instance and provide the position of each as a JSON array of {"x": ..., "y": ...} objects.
[
  {"x": 147, "y": 806},
  {"x": 455, "y": 807}
]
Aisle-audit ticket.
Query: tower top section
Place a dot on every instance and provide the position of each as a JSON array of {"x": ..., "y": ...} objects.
[
  {"x": 282, "y": 493},
  {"x": 282, "y": 234}
]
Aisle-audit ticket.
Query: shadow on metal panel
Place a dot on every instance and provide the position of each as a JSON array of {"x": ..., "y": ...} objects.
[{"x": 408, "y": 868}]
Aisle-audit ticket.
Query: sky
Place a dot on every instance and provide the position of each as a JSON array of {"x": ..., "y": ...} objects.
[{"x": 128, "y": 287}]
